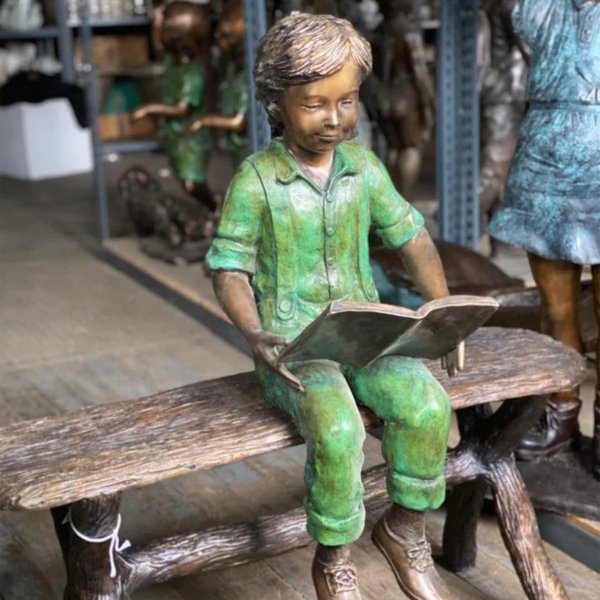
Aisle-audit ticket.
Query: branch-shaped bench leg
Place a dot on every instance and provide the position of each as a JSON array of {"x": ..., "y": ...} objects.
[
  {"x": 486, "y": 448},
  {"x": 92, "y": 551},
  {"x": 521, "y": 536},
  {"x": 465, "y": 500}
]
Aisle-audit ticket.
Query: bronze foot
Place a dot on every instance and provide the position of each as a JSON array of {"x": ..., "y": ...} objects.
[
  {"x": 409, "y": 555},
  {"x": 555, "y": 432},
  {"x": 334, "y": 574}
]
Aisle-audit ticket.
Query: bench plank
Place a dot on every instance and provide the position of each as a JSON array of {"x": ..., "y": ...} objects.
[{"x": 108, "y": 448}]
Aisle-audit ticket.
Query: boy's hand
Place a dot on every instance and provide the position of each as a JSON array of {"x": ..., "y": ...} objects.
[
  {"x": 138, "y": 114},
  {"x": 264, "y": 346},
  {"x": 195, "y": 126},
  {"x": 454, "y": 361}
]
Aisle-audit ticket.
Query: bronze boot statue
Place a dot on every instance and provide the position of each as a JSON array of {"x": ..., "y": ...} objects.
[
  {"x": 400, "y": 536},
  {"x": 334, "y": 574},
  {"x": 556, "y": 431}
]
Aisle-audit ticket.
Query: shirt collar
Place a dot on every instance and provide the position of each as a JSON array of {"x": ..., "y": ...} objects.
[{"x": 287, "y": 170}]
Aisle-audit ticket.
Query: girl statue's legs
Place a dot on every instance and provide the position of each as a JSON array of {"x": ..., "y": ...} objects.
[{"x": 559, "y": 283}]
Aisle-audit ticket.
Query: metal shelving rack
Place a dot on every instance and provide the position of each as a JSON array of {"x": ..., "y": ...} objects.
[
  {"x": 99, "y": 148},
  {"x": 458, "y": 123},
  {"x": 61, "y": 32}
]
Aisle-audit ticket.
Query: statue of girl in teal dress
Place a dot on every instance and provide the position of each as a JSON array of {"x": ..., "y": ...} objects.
[{"x": 552, "y": 203}]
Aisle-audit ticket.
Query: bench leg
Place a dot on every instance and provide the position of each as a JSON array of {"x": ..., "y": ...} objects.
[
  {"x": 89, "y": 563},
  {"x": 485, "y": 456},
  {"x": 463, "y": 508},
  {"x": 465, "y": 501},
  {"x": 521, "y": 536}
]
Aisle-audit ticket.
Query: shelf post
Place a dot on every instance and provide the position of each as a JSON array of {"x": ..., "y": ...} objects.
[
  {"x": 259, "y": 130},
  {"x": 458, "y": 123}
]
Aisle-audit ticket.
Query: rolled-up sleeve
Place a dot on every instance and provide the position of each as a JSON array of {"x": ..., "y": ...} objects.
[
  {"x": 395, "y": 220},
  {"x": 238, "y": 235}
]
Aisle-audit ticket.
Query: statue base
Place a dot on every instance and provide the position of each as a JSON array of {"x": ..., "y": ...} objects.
[
  {"x": 189, "y": 252},
  {"x": 564, "y": 483}
]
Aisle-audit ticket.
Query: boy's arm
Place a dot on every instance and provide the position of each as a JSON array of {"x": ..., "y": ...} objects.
[
  {"x": 424, "y": 266},
  {"x": 235, "y": 122},
  {"x": 158, "y": 109},
  {"x": 234, "y": 292}
]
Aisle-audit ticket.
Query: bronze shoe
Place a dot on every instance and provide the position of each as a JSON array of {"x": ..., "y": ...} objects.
[
  {"x": 335, "y": 578},
  {"x": 410, "y": 559},
  {"x": 555, "y": 432}
]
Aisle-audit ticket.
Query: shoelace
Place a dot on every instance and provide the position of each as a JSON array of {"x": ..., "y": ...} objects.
[
  {"x": 340, "y": 578},
  {"x": 419, "y": 555}
]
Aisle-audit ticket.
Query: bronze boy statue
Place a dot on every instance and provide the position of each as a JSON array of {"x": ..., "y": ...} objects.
[{"x": 293, "y": 237}]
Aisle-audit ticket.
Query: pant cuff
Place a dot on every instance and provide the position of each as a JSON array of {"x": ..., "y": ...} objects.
[
  {"x": 331, "y": 531},
  {"x": 414, "y": 493}
]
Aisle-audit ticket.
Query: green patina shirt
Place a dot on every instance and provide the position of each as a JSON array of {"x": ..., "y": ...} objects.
[
  {"x": 305, "y": 246},
  {"x": 187, "y": 153}
]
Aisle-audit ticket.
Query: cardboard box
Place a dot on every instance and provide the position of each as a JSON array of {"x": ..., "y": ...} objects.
[
  {"x": 115, "y": 54},
  {"x": 119, "y": 126},
  {"x": 43, "y": 140}
]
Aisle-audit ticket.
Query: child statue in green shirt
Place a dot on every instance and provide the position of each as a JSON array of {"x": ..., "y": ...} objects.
[{"x": 293, "y": 237}]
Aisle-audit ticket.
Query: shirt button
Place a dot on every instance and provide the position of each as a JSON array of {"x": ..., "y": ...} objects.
[
  {"x": 329, "y": 197},
  {"x": 329, "y": 230},
  {"x": 285, "y": 305},
  {"x": 330, "y": 260}
]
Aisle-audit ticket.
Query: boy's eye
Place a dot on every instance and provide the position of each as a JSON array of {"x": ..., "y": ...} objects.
[
  {"x": 312, "y": 106},
  {"x": 348, "y": 102}
]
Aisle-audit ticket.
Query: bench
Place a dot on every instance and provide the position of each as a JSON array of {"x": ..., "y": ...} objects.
[{"x": 78, "y": 464}]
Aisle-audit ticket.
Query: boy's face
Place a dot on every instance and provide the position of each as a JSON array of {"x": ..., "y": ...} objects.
[{"x": 318, "y": 116}]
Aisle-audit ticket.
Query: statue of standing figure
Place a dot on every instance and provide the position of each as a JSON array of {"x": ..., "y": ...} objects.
[
  {"x": 233, "y": 88},
  {"x": 503, "y": 79},
  {"x": 183, "y": 29},
  {"x": 551, "y": 207},
  {"x": 400, "y": 93}
]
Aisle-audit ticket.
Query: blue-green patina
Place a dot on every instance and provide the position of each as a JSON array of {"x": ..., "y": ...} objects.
[
  {"x": 304, "y": 247},
  {"x": 552, "y": 202}
]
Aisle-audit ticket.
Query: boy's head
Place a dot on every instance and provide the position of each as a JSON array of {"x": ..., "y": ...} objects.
[
  {"x": 185, "y": 27},
  {"x": 304, "y": 48},
  {"x": 230, "y": 30}
]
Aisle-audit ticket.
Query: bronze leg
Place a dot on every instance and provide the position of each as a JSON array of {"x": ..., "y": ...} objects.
[{"x": 559, "y": 285}]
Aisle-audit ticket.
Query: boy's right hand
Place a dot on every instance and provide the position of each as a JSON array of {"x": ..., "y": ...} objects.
[{"x": 264, "y": 346}]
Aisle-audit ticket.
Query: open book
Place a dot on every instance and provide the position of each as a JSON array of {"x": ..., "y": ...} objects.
[{"x": 356, "y": 333}]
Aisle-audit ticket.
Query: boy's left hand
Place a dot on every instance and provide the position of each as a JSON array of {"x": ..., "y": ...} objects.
[{"x": 454, "y": 361}]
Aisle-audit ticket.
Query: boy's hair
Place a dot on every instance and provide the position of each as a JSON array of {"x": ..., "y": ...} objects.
[{"x": 303, "y": 48}]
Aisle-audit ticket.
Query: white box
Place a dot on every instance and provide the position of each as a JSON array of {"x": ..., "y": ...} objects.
[{"x": 38, "y": 141}]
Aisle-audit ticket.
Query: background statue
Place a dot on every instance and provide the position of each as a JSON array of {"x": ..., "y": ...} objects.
[
  {"x": 184, "y": 33},
  {"x": 400, "y": 94},
  {"x": 552, "y": 202},
  {"x": 233, "y": 89},
  {"x": 503, "y": 81}
]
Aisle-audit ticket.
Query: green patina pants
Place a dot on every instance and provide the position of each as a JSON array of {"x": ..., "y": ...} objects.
[{"x": 416, "y": 414}]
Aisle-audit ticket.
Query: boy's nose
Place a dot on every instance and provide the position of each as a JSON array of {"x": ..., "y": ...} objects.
[{"x": 333, "y": 118}]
